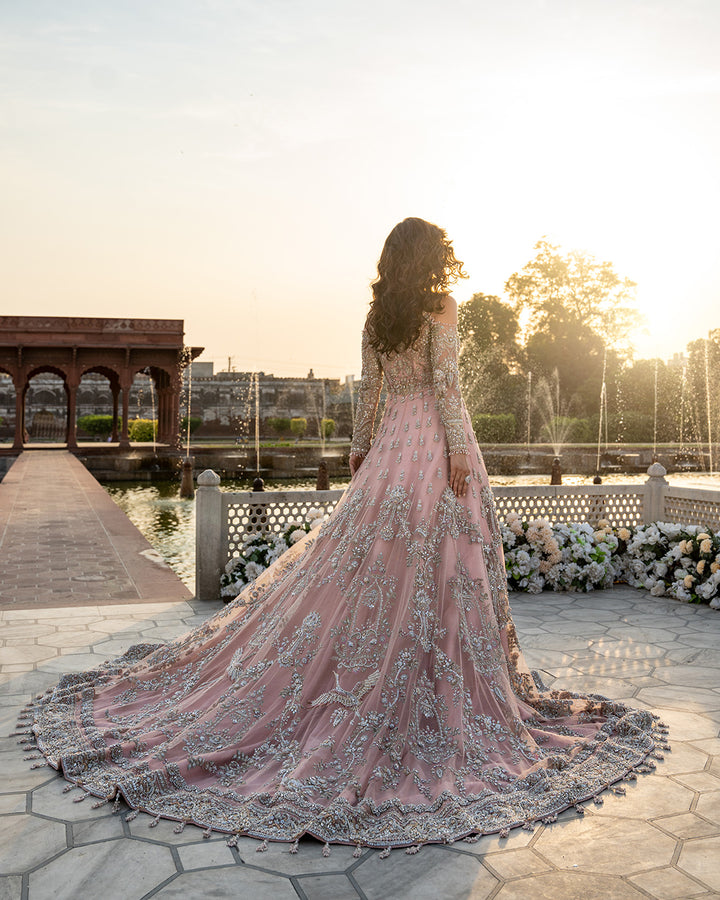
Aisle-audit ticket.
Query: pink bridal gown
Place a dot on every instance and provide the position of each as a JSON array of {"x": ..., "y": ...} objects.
[{"x": 369, "y": 687}]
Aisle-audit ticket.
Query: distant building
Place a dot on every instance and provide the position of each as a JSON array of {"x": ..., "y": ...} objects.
[{"x": 225, "y": 401}]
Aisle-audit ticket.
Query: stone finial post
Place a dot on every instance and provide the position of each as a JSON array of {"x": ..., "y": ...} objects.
[
  {"x": 187, "y": 489},
  {"x": 210, "y": 541},
  {"x": 655, "y": 488}
]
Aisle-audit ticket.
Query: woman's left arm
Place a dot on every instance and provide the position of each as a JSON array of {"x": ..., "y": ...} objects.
[{"x": 368, "y": 399}]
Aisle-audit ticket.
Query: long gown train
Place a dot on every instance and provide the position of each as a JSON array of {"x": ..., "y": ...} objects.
[{"x": 369, "y": 687}]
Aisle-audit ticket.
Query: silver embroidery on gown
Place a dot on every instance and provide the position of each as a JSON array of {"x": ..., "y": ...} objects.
[{"x": 369, "y": 687}]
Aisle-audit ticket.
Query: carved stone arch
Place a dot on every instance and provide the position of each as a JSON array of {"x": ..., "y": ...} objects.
[{"x": 116, "y": 348}]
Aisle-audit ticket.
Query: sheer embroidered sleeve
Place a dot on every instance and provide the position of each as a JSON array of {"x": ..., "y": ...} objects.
[
  {"x": 446, "y": 380},
  {"x": 368, "y": 398}
]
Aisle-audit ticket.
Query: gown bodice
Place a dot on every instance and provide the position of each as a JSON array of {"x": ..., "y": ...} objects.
[{"x": 430, "y": 365}]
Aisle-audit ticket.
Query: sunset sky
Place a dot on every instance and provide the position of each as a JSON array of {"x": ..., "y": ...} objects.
[{"x": 238, "y": 164}]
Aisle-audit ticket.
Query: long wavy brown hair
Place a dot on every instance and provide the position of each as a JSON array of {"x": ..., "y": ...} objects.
[{"x": 416, "y": 267}]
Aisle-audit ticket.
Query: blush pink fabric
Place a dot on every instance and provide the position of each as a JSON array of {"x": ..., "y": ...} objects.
[{"x": 369, "y": 688}]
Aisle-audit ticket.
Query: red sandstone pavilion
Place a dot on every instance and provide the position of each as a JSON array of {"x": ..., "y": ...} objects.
[{"x": 115, "y": 348}]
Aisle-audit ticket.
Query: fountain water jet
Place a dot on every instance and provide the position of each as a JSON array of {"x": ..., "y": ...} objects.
[
  {"x": 187, "y": 488},
  {"x": 603, "y": 411},
  {"x": 707, "y": 403}
]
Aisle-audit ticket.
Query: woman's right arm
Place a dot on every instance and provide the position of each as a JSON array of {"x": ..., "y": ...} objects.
[
  {"x": 446, "y": 379},
  {"x": 367, "y": 403}
]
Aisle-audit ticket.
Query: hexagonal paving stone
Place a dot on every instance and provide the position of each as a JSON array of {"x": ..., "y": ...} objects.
[
  {"x": 493, "y": 843},
  {"x": 49, "y": 800},
  {"x": 107, "y": 828},
  {"x": 667, "y": 884},
  {"x": 564, "y": 643},
  {"x": 692, "y": 675},
  {"x": 683, "y": 758},
  {"x": 112, "y": 869},
  {"x": 235, "y": 881},
  {"x": 206, "y": 855},
  {"x": 700, "y": 859},
  {"x": 308, "y": 859},
  {"x": 605, "y": 844},
  {"x": 699, "y": 781},
  {"x": 687, "y": 725},
  {"x": 708, "y": 805},
  {"x": 615, "y": 688},
  {"x": 25, "y": 841},
  {"x": 687, "y": 825},
  {"x": 327, "y": 887},
  {"x": 64, "y": 640},
  {"x": 28, "y": 630},
  {"x": 12, "y": 803},
  {"x": 515, "y": 863},
  {"x": 10, "y": 887},
  {"x": 649, "y": 796},
  {"x": 163, "y": 832},
  {"x": 17, "y": 774},
  {"x": 75, "y": 662},
  {"x": 433, "y": 872},
  {"x": 568, "y": 886},
  {"x": 694, "y": 699}
]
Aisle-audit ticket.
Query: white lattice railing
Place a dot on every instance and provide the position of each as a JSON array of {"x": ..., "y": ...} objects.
[
  {"x": 248, "y": 512},
  {"x": 222, "y": 518},
  {"x": 622, "y": 504},
  {"x": 692, "y": 506}
]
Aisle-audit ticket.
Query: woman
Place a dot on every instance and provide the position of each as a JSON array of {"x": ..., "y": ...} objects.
[{"x": 369, "y": 687}]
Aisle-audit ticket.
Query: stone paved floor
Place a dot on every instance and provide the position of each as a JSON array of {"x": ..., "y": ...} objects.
[
  {"x": 662, "y": 840},
  {"x": 64, "y": 542}
]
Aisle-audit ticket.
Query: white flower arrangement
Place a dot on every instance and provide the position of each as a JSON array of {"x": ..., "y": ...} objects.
[
  {"x": 260, "y": 551},
  {"x": 674, "y": 560},
  {"x": 663, "y": 558}
]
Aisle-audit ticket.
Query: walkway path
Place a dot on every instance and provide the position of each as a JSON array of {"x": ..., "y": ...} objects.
[
  {"x": 64, "y": 542},
  {"x": 661, "y": 840}
]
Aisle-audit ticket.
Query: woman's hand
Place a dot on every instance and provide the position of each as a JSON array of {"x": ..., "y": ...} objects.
[
  {"x": 355, "y": 462},
  {"x": 459, "y": 471}
]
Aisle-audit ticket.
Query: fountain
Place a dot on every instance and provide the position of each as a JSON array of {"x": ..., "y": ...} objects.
[
  {"x": 527, "y": 466},
  {"x": 603, "y": 411},
  {"x": 655, "y": 413},
  {"x": 187, "y": 488},
  {"x": 257, "y": 423},
  {"x": 707, "y": 404},
  {"x": 555, "y": 415}
]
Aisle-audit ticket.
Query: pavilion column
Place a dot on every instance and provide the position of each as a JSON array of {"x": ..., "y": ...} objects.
[
  {"x": 71, "y": 386},
  {"x": 162, "y": 415},
  {"x": 115, "y": 387},
  {"x": 20, "y": 388},
  {"x": 174, "y": 404},
  {"x": 125, "y": 385}
]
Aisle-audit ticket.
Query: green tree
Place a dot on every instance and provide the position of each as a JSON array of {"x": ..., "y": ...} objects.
[
  {"x": 490, "y": 356},
  {"x": 327, "y": 428},
  {"x": 579, "y": 315},
  {"x": 298, "y": 426},
  {"x": 279, "y": 424}
]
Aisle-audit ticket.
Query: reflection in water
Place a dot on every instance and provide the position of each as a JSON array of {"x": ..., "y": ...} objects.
[
  {"x": 165, "y": 520},
  {"x": 168, "y": 522}
]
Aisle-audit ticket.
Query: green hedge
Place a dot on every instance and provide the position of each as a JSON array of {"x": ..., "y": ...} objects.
[
  {"x": 142, "y": 430},
  {"x": 495, "y": 429},
  {"x": 101, "y": 426}
]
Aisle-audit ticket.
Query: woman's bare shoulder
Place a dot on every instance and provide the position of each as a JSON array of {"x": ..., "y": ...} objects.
[{"x": 448, "y": 314}]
